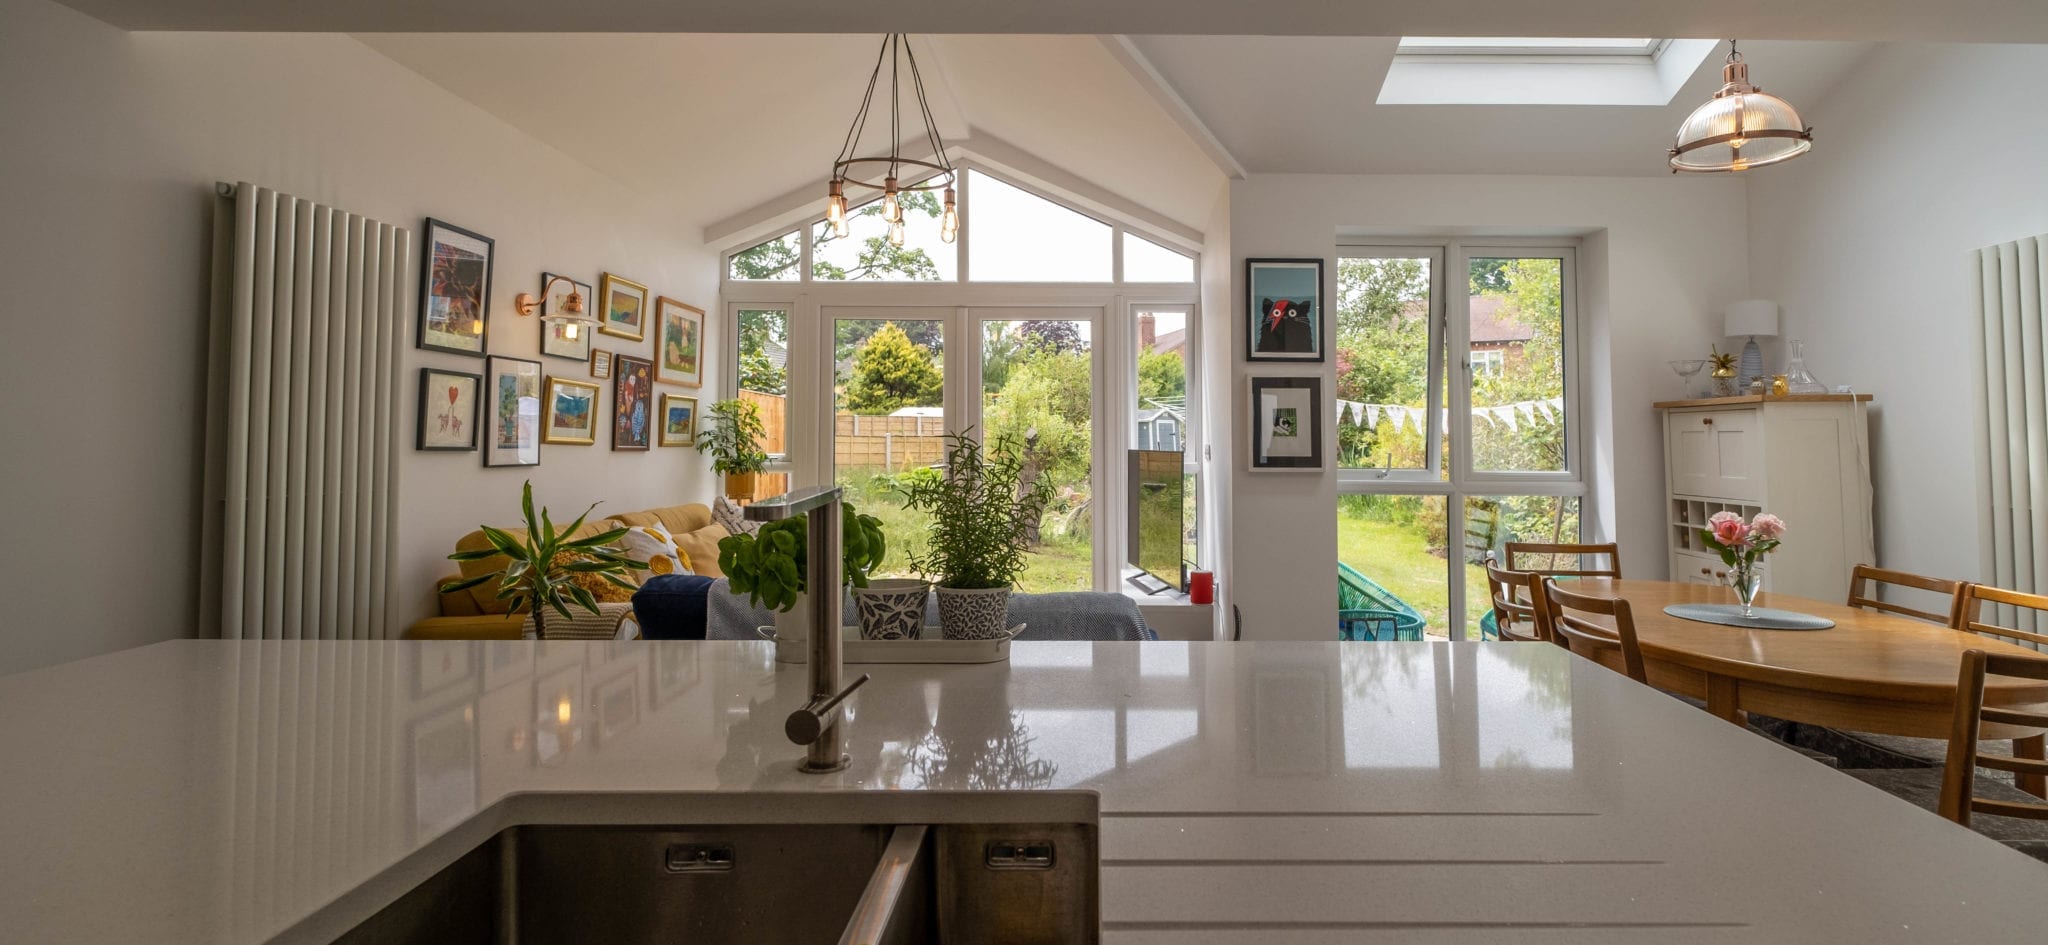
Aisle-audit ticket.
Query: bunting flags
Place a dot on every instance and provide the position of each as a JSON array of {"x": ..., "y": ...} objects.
[{"x": 1401, "y": 416}]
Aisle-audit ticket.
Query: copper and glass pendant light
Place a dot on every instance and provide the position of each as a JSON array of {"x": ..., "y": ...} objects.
[
  {"x": 1741, "y": 127},
  {"x": 851, "y": 169}
]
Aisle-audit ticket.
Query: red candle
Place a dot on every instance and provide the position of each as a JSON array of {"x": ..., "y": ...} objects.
[{"x": 1201, "y": 587}]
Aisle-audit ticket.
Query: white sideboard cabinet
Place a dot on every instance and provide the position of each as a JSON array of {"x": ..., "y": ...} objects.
[{"x": 1803, "y": 458}]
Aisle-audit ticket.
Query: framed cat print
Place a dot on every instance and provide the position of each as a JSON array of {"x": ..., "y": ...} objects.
[
  {"x": 555, "y": 339},
  {"x": 678, "y": 420},
  {"x": 1287, "y": 423},
  {"x": 455, "y": 289},
  {"x": 512, "y": 410},
  {"x": 632, "y": 402},
  {"x": 1284, "y": 319},
  {"x": 571, "y": 412},
  {"x": 678, "y": 343},
  {"x": 447, "y": 410},
  {"x": 622, "y": 307}
]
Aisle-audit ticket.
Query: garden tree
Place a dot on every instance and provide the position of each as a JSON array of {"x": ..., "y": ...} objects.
[
  {"x": 1000, "y": 349},
  {"x": 1489, "y": 274},
  {"x": 1063, "y": 337},
  {"x": 778, "y": 258},
  {"x": 759, "y": 329},
  {"x": 1531, "y": 298},
  {"x": 1162, "y": 375},
  {"x": 889, "y": 373},
  {"x": 1382, "y": 353},
  {"x": 759, "y": 374},
  {"x": 850, "y": 333},
  {"x": 1043, "y": 409}
]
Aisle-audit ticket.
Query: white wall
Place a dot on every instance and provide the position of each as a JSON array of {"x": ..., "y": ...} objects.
[
  {"x": 1661, "y": 257},
  {"x": 114, "y": 141},
  {"x": 1922, "y": 154}
]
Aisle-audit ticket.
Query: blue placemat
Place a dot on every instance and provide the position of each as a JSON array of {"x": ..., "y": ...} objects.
[{"x": 1761, "y": 618}]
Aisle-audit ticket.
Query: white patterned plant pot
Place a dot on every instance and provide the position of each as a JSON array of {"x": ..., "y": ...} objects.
[
  {"x": 974, "y": 613},
  {"x": 891, "y": 608}
]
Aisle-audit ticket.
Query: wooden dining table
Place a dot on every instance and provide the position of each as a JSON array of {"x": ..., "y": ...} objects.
[{"x": 1870, "y": 672}]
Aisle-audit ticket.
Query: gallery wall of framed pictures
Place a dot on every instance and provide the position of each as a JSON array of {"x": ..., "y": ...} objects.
[
  {"x": 1286, "y": 320},
  {"x": 517, "y": 405}
]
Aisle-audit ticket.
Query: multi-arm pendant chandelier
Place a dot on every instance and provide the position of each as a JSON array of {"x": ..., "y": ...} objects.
[
  {"x": 1740, "y": 127},
  {"x": 850, "y": 168}
]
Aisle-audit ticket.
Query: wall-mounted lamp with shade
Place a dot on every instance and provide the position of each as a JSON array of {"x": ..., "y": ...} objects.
[
  {"x": 571, "y": 314},
  {"x": 1753, "y": 319}
]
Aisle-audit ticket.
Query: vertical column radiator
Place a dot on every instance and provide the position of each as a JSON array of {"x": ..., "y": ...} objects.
[{"x": 301, "y": 480}]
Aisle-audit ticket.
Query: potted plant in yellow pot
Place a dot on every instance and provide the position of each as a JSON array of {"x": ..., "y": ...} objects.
[
  {"x": 981, "y": 514},
  {"x": 734, "y": 441}
]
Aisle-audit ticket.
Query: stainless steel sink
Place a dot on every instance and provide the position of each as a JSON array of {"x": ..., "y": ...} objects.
[{"x": 773, "y": 884}]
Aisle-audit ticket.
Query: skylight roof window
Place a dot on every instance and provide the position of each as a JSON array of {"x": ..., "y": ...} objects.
[
  {"x": 1536, "y": 70},
  {"x": 1543, "y": 46}
]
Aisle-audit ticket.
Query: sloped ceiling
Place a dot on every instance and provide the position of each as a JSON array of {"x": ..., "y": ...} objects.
[
  {"x": 1995, "y": 21},
  {"x": 1309, "y": 105},
  {"x": 710, "y": 125}
]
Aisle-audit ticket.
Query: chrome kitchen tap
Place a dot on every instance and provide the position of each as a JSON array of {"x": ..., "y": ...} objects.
[{"x": 816, "y": 725}]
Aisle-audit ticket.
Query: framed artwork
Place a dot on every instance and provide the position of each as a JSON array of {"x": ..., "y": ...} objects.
[
  {"x": 632, "y": 402},
  {"x": 678, "y": 343},
  {"x": 447, "y": 410},
  {"x": 600, "y": 363},
  {"x": 625, "y": 307},
  {"x": 512, "y": 406},
  {"x": 1287, "y": 423},
  {"x": 571, "y": 412},
  {"x": 678, "y": 420},
  {"x": 554, "y": 342},
  {"x": 443, "y": 666},
  {"x": 455, "y": 290},
  {"x": 1283, "y": 309}
]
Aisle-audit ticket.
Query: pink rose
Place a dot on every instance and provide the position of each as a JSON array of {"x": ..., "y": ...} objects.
[
  {"x": 1767, "y": 527},
  {"x": 1727, "y": 528}
]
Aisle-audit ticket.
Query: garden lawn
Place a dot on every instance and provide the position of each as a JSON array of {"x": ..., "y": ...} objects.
[
  {"x": 1061, "y": 564},
  {"x": 1398, "y": 557}
]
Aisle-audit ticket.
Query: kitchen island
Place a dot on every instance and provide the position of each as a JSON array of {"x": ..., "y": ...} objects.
[{"x": 253, "y": 792}]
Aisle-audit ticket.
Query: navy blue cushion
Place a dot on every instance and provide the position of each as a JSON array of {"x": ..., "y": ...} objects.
[{"x": 672, "y": 606}]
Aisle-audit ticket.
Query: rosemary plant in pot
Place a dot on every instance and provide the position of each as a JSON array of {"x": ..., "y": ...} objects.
[
  {"x": 981, "y": 514},
  {"x": 539, "y": 573},
  {"x": 734, "y": 441},
  {"x": 768, "y": 566}
]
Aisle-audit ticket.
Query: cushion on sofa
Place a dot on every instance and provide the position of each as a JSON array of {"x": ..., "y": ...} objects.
[
  {"x": 700, "y": 547},
  {"x": 676, "y": 518}
]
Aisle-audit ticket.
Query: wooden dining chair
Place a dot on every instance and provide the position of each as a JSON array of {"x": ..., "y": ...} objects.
[
  {"x": 1570, "y": 626},
  {"x": 1521, "y": 553},
  {"x": 1863, "y": 580},
  {"x": 1965, "y": 755},
  {"x": 1970, "y": 607},
  {"x": 1517, "y": 603}
]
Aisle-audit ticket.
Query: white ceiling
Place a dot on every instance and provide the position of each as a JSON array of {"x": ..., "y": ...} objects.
[
  {"x": 2023, "y": 21},
  {"x": 711, "y": 125},
  {"x": 1308, "y": 105}
]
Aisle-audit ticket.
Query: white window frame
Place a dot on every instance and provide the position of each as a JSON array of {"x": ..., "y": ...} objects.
[
  {"x": 1451, "y": 329},
  {"x": 814, "y": 304}
]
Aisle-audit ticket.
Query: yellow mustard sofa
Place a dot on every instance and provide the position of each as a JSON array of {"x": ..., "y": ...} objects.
[{"x": 477, "y": 614}]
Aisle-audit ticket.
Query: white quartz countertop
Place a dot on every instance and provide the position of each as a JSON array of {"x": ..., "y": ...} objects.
[{"x": 204, "y": 791}]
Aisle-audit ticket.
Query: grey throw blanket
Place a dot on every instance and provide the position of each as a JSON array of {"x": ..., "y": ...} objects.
[{"x": 1068, "y": 615}]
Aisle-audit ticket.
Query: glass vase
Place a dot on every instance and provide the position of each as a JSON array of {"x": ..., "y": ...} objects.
[{"x": 1747, "y": 582}]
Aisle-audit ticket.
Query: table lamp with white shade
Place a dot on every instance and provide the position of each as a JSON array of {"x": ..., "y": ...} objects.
[{"x": 1751, "y": 318}]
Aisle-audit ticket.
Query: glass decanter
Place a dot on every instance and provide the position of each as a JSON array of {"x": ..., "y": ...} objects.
[{"x": 1798, "y": 380}]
